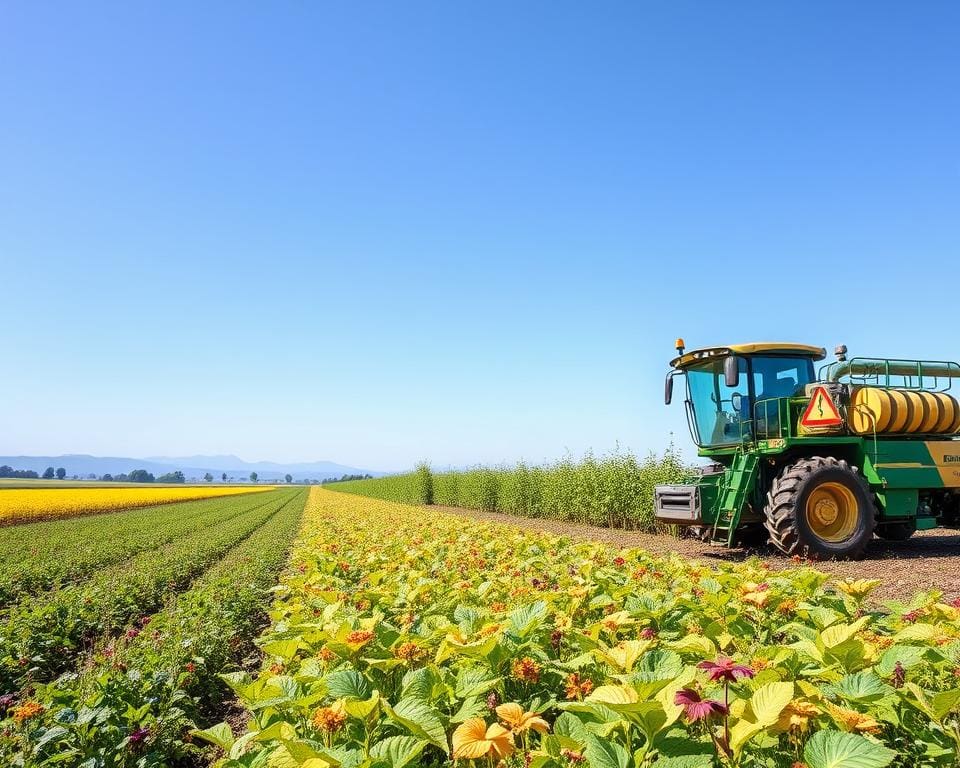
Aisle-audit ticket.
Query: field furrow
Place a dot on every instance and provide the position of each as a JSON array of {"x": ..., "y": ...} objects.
[
  {"x": 44, "y": 636},
  {"x": 38, "y": 556},
  {"x": 176, "y": 657}
]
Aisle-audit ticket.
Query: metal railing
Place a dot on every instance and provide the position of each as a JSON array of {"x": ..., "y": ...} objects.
[{"x": 927, "y": 375}]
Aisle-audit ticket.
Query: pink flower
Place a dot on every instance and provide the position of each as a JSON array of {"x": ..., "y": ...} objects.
[
  {"x": 725, "y": 669},
  {"x": 696, "y": 708},
  {"x": 647, "y": 633}
]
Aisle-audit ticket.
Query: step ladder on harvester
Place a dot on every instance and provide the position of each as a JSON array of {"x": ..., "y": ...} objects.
[{"x": 737, "y": 484}]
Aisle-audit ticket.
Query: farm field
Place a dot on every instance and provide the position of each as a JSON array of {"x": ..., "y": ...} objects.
[
  {"x": 25, "y": 504},
  {"x": 115, "y": 626},
  {"x": 317, "y": 628},
  {"x": 403, "y": 635},
  {"x": 929, "y": 560}
]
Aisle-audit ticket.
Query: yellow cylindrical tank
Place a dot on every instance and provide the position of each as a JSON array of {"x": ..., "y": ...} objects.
[
  {"x": 902, "y": 411},
  {"x": 919, "y": 413}
]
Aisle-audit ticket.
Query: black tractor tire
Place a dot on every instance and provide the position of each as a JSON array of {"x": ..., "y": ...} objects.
[
  {"x": 896, "y": 531},
  {"x": 786, "y": 517}
]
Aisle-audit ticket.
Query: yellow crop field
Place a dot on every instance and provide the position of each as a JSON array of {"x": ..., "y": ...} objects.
[{"x": 19, "y": 505}]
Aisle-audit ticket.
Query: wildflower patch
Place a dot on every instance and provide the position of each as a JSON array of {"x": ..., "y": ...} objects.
[{"x": 404, "y": 636}]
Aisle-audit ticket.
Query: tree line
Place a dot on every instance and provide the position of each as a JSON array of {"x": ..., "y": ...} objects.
[{"x": 346, "y": 479}]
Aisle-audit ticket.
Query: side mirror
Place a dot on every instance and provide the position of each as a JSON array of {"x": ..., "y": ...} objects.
[
  {"x": 668, "y": 388},
  {"x": 731, "y": 371}
]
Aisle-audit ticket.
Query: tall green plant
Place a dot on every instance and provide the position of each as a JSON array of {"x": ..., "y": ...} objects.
[{"x": 615, "y": 490}]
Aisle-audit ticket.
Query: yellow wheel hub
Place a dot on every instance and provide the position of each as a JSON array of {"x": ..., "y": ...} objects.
[{"x": 832, "y": 512}]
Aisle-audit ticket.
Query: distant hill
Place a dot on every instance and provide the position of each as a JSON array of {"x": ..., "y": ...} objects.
[{"x": 191, "y": 466}]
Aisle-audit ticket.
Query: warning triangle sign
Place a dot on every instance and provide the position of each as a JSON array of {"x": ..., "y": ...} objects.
[{"x": 821, "y": 412}]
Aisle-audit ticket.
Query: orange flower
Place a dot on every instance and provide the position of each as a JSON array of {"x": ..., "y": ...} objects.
[
  {"x": 796, "y": 716},
  {"x": 526, "y": 670},
  {"x": 27, "y": 711},
  {"x": 519, "y": 721},
  {"x": 852, "y": 721},
  {"x": 409, "y": 652},
  {"x": 326, "y": 655},
  {"x": 329, "y": 719},
  {"x": 359, "y": 637},
  {"x": 473, "y": 739},
  {"x": 577, "y": 688}
]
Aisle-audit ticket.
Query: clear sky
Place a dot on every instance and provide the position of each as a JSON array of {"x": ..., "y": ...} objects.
[{"x": 468, "y": 232}]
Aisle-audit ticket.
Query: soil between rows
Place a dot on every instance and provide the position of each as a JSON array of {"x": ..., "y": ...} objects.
[{"x": 928, "y": 560}]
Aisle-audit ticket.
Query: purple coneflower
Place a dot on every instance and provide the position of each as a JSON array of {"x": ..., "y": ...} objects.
[
  {"x": 696, "y": 708},
  {"x": 725, "y": 669}
]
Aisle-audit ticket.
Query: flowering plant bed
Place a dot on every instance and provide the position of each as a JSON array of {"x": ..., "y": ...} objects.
[{"x": 404, "y": 636}]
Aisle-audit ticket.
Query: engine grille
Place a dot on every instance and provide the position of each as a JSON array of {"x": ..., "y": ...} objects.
[{"x": 677, "y": 504}]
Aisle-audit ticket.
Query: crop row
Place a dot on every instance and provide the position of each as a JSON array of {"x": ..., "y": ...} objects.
[
  {"x": 41, "y": 555},
  {"x": 405, "y": 636},
  {"x": 139, "y": 695},
  {"x": 44, "y": 635},
  {"x": 19, "y": 505},
  {"x": 614, "y": 491}
]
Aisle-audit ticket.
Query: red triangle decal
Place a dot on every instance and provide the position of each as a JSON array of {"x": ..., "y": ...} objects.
[{"x": 821, "y": 411}]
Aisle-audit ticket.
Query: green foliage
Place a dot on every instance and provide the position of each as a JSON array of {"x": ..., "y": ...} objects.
[
  {"x": 615, "y": 490},
  {"x": 45, "y": 634},
  {"x": 65, "y": 551},
  {"x": 403, "y": 635},
  {"x": 141, "y": 692}
]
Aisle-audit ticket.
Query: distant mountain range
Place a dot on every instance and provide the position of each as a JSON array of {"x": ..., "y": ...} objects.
[{"x": 191, "y": 466}]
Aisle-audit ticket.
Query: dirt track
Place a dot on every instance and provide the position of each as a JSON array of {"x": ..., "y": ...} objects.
[{"x": 930, "y": 559}]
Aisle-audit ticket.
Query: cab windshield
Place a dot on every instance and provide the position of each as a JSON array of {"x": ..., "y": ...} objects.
[{"x": 720, "y": 415}]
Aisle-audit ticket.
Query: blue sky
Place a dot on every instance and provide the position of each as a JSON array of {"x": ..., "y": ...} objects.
[{"x": 380, "y": 232}]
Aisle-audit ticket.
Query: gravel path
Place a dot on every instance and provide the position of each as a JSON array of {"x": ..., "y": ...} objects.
[{"x": 929, "y": 559}]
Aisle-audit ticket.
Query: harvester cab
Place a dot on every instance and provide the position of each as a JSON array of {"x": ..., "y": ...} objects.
[{"x": 818, "y": 460}]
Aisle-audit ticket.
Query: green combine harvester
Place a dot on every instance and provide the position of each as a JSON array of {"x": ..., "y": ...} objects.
[{"x": 818, "y": 459}]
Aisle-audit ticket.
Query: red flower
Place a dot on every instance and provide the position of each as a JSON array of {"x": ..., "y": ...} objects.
[
  {"x": 619, "y": 562},
  {"x": 647, "y": 633},
  {"x": 725, "y": 669},
  {"x": 696, "y": 708}
]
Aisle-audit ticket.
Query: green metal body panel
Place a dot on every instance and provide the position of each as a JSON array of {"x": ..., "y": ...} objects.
[{"x": 898, "y": 469}]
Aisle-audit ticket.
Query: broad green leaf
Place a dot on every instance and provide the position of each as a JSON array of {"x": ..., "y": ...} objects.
[
  {"x": 422, "y": 720},
  {"x": 475, "y": 706},
  {"x": 768, "y": 701},
  {"x": 907, "y": 655},
  {"x": 613, "y": 694},
  {"x": 922, "y": 632},
  {"x": 836, "y": 634},
  {"x": 398, "y": 751},
  {"x": 304, "y": 751},
  {"x": 219, "y": 734},
  {"x": 347, "y": 684},
  {"x": 686, "y": 761},
  {"x": 362, "y": 709},
  {"x": 569, "y": 727},
  {"x": 474, "y": 681},
  {"x": 657, "y": 664},
  {"x": 524, "y": 620},
  {"x": 836, "y": 749},
  {"x": 284, "y": 649},
  {"x": 863, "y": 687},
  {"x": 603, "y": 753},
  {"x": 760, "y": 712}
]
